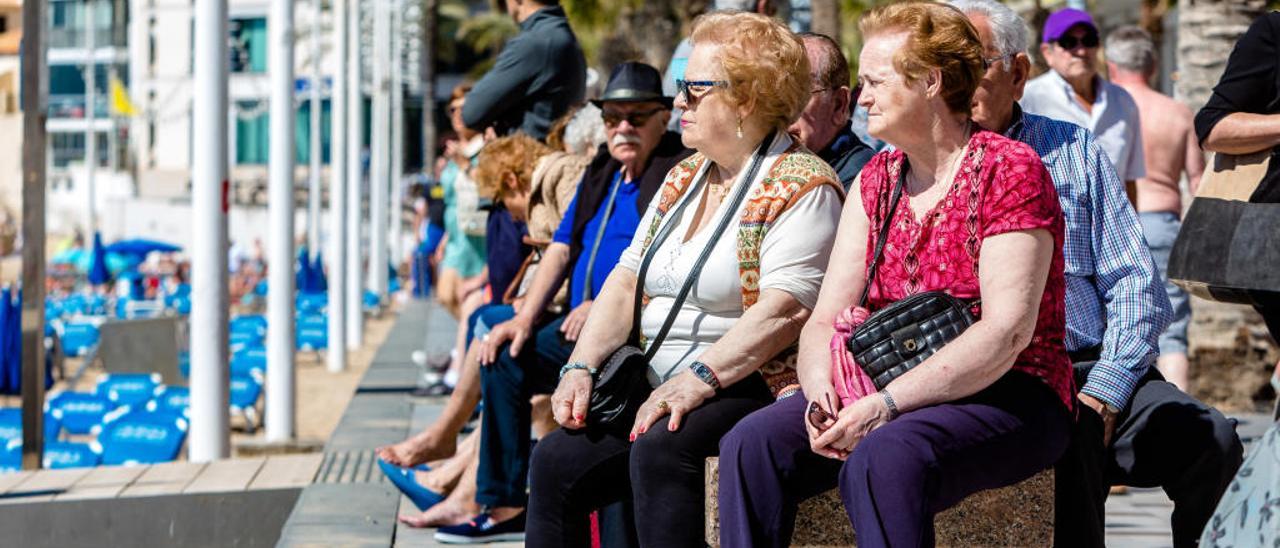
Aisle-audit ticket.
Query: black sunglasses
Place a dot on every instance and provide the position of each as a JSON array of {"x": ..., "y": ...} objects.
[
  {"x": 1068, "y": 41},
  {"x": 636, "y": 119}
]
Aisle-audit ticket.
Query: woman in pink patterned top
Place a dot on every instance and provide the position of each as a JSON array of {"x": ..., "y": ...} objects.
[{"x": 978, "y": 218}]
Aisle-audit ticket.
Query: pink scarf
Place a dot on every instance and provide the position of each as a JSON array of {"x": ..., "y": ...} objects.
[{"x": 851, "y": 383}]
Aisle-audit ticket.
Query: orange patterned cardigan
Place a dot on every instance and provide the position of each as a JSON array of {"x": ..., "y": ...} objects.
[{"x": 793, "y": 174}]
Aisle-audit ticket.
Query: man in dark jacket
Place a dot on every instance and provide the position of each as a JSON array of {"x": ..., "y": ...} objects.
[
  {"x": 523, "y": 356},
  {"x": 538, "y": 76},
  {"x": 824, "y": 126}
]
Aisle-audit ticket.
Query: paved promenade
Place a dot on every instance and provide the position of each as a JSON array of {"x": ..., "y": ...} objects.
[{"x": 383, "y": 411}]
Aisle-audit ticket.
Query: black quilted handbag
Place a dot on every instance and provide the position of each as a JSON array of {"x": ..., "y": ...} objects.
[{"x": 900, "y": 336}]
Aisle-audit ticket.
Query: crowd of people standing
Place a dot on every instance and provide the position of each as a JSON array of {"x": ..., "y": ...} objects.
[{"x": 717, "y": 248}]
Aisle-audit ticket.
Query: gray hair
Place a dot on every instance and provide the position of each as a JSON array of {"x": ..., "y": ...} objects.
[
  {"x": 1131, "y": 49},
  {"x": 1007, "y": 27},
  {"x": 585, "y": 132}
]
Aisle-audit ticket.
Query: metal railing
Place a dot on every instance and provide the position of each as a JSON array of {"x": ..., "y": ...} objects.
[{"x": 74, "y": 37}]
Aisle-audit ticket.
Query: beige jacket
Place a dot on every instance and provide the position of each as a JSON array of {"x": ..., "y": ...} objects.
[{"x": 555, "y": 183}]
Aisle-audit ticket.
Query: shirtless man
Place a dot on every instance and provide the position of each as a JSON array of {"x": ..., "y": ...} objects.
[{"x": 1170, "y": 149}]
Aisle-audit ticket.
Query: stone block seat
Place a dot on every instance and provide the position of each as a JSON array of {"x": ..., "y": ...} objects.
[{"x": 1017, "y": 515}]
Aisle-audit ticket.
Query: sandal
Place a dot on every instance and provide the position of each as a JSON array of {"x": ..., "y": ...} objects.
[{"x": 404, "y": 480}]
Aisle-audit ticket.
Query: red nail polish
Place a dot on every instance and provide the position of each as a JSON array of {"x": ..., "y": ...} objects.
[
  {"x": 633, "y": 436},
  {"x": 580, "y": 418}
]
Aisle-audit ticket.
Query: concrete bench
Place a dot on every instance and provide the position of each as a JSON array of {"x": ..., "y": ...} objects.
[{"x": 1018, "y": 515}]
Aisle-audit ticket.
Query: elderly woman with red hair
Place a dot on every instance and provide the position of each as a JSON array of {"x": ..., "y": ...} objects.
[
  {"x": 776, "y": 206},
  {"x": 962, "y": 211}
]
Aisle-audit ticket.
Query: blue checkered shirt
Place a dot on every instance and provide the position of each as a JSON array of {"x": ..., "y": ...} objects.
[{"x": 1115, "y": 296}]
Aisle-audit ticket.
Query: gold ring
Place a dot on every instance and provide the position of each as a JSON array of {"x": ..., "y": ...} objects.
[{"x": 662, "y": 404}]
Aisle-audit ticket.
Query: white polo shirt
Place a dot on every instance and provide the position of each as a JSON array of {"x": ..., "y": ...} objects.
[{"x": 1113, "y": 120}]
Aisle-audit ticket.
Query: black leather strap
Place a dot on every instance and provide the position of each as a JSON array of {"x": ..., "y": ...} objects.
[
  {"x": 670, "y": 221},
  {"x": 884, "y": 232}
]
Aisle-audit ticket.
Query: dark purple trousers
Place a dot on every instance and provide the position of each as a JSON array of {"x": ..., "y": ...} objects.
[{"x": 899, "y": 476}]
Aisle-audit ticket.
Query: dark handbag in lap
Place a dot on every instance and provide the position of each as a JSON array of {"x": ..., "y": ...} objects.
[
  {"x": 904, "y": 334},
  {"x": 621, "y": 384}
]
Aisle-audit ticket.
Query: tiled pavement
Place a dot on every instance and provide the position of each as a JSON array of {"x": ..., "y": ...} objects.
[{"x": 1138, "y": 518}]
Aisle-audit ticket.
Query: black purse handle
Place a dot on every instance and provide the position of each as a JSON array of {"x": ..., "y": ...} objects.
[
  {"x": 671, "y": 221},
  {"x": 884, "y": 232}
]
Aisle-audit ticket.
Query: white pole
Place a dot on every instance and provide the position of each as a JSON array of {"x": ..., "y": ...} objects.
[
  {"x": 280, "y": 300},
  {"x": 336, "y": 357},
  {"x": 210, "y": 431},
  {"x": 355, "y": 180},
  {"x": 91, "y": 112},
  {"x": 395, "y": 233},
  {"x": 313, "y": 173},
  {"x": 380, "y": 159}
]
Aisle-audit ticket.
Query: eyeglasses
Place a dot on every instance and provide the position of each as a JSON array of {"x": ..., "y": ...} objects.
[
  {"x": 695, "y": 89},
  {"x": 1069, "y": 42},
  {"x": 989, "y": 61},
  {"x": 638, "y": 118}
]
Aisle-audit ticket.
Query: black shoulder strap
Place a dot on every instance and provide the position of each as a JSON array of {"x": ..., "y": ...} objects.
[
  {"x": 668, "y": 226},
  {"x": 884, "y": 232}
]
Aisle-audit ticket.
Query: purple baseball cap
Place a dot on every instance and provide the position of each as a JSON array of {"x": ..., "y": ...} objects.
[{"x": 1061, "y": 21}]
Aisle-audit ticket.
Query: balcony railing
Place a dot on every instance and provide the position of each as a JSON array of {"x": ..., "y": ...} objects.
[
  {"x": 73, "y": 106},
  {"x": 74, "y": 37}
]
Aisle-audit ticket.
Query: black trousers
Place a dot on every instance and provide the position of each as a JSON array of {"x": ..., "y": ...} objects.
[
  {"x": 1165, "y": 438},
  {"x": 661, "y": 474}
]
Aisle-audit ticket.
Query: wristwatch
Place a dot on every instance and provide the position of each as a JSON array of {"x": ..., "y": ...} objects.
[
  {"x": 576, "y": 365},
  {"x": 704, "y": 372},
  {"x": 890, "y": 404}
]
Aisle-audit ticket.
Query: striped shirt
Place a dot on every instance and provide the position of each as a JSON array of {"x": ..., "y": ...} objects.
[{"x": 1115, "y": 297}]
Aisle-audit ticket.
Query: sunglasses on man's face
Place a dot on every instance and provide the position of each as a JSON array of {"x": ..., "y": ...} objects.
[
  {"x": 637, "y": 118},
  {"x": 1069, "y": 42}
]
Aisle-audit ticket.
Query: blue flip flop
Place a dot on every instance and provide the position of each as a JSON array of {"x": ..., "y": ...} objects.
[{"x": 404, "y": 480}]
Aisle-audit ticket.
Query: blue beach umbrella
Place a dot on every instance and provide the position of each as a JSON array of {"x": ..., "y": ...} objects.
[
  {"x": 138, "y": 248},
  {"x": 318, "y": 281},
  {"x": 98, "y": 273}
]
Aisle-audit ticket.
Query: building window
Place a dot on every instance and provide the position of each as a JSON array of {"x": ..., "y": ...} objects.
[
  {"x": 248, "y": 44},
  {"x": 68, "y": 149},
  {"x": 253, "y": 133},
  {"x": 67, "y": 89},
  {"x": 252, "y": 129},
  {"x": 302, "y": 132}
]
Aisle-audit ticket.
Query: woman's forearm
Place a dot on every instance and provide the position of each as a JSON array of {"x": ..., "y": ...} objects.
[
  {"x": 813, "y": 364},
  {"x": 764, "y": 330},
  {"x": 1244, "y": 133},
  {"x": 970, "y": 363},
  {"x": 609, "y": 323}
]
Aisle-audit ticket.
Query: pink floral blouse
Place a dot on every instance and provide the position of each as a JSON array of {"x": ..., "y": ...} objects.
[{"x": 1001, "y": 186}]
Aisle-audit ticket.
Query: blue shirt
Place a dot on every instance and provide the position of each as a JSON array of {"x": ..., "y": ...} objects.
[
  {"x": 1115, "y": 297},
  {"x": 617, "y": 236}
]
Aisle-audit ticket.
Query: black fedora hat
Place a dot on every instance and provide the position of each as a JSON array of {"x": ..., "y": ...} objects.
[{"x": 634, "y": 82}]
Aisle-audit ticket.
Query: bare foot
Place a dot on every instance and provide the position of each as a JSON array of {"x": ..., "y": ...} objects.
[
  {"x": 443, "y": 514},
  {"x": 424, "y": 447},
  {"x": 432, "y": 480}
]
